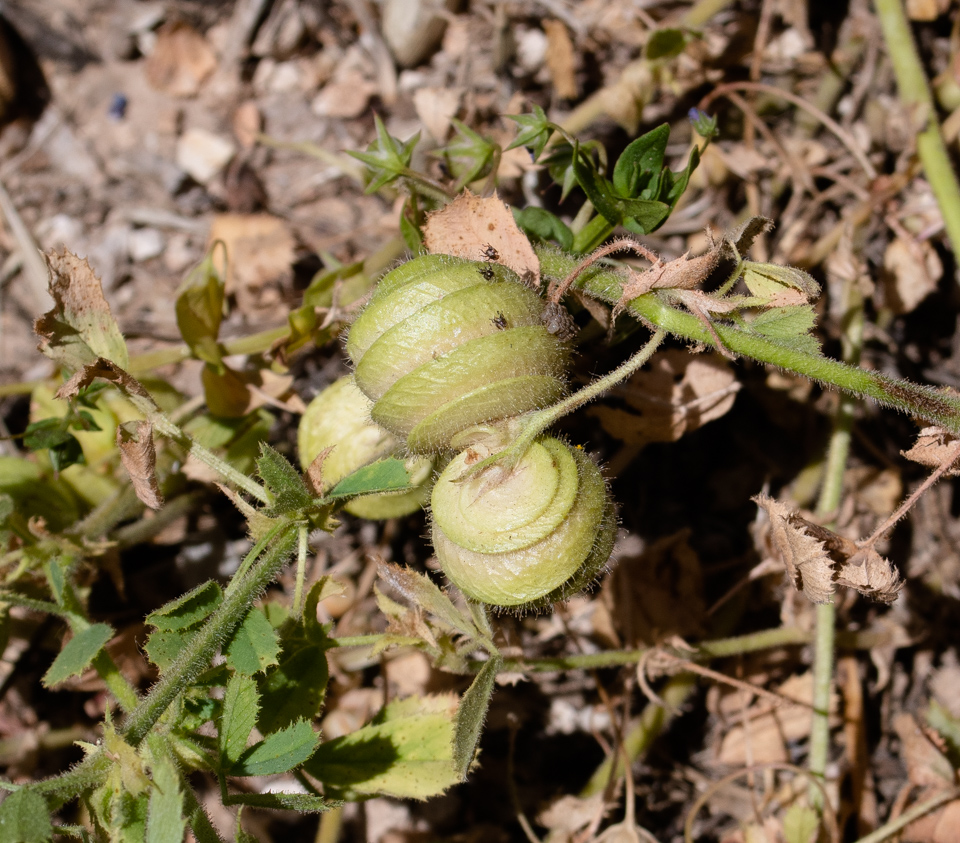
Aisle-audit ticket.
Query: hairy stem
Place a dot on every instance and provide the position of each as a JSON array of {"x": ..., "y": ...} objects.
[
  {"x": 829, "y": 501},
  {"x": 208, "y": 639},
  {"x": 607, "y": 285},
  {"x": 915, "y": 94}
]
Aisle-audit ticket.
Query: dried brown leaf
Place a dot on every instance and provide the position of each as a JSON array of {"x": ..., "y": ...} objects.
[
  {"x": 180, "y": 62},
  {"x": 765, "y": 735},
  {"x": 80, "y": 327},
  {"x": 911, "y": 270},
  {"x": 314, "y": 473},
  {"x": 933, "y": 447},
  {"x": 927, "y": 766},
  {"x": 139, "y": 458},
  {"x": 808, "y": 565},
  {"x": 481, "y": 229},
  {"x": 677, "y": 394},
  {"x": 561, "y": 59},
  {"x": 260, "y": 249},
  {"x": 108, "y": 371},
  {"x": 436, "y": 107},
  {"x": 818, "y": 559},
  {"x": 569, "y": 814},
  {"x": 870, "y": 574}
]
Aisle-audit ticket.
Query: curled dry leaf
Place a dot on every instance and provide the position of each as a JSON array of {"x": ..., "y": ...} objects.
[
  {"x": 108, "y": 371},
  {"x": 80, "y": 327},
  {"x": 933, "y": 447},
  {"x": 911, "y": 270},
  {"x": 180, "y": 62},
  {"x": 260, "y": 250},
  {"x": 677, "y": 394},
  {"x": 869, "y": 573},
  {"x": 314, "y": 473},
  {"x": 481, "y": 229},
  {"x": 436, "y": 107},
  {"x": 569, "y": 814},
  {"x": 139, "y": 458},
  {"x": 928, "y": 769},
  {"x": 817, "y": 559}
]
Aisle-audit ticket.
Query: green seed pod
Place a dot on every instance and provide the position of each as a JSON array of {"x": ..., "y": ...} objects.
[
  {"x": 340, "y": 417},
  {"x": 446, "y": 344},
  {"x": 526, "y": 537}
]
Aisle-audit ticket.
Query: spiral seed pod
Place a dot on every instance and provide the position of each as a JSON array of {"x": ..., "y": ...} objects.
[
  {"x": 340, "y": 417},
  {"x": 446, "y": 344},
  {"x": 526, "y": 537}
]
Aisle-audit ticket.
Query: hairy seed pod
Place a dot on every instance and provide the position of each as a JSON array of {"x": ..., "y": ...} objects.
[
  {"x": 526, "y": 537},
  {"x": 446, "y": 344},
  {"x": 340, "y": 417}
]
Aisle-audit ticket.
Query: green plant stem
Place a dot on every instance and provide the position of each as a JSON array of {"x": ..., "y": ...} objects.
[
  {"x": 202, "y": 647},
  {"x": 922, "y": 401},
  {"x": 915, "y": 92},
  {"x": 123, "y": 504},
  {"x": 330, "y": 826},
  {"x": 767, "y": 639},
  {"x": 534, "y": 424},
  {"x": 163, "y": 425},
  {"x": 146, "y": 528},
  {"x": 888, "y": 830},
  {"x": 117, "y": 684},
  {"x": 830, "y": 495},
  {"x": 591, "y": 235}
]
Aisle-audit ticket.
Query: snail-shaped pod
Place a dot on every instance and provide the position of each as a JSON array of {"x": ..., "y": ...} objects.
[
  {"x": 340, "y": 417},
  {"x": 526, "y": 537},
  {"x": 446, "y": 344}
]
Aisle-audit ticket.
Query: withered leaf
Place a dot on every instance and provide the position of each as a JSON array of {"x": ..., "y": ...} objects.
[
  {"x": 314, "y": 475},
  {"x": 481, "y": 229},
  {"x": 809, "y": 566},
  {"x": 80, "y": 327},
  {"x": 139, "y": 458},
  {"x": 683, "y": 273},
  {"x": 818, "y": 559},
  {"x": 870, "y": 574},
  {"x": 741, "y": 238},
  {"x": 180, "y": 61},
  {"x": 677, "y": 394},
  {"x": 109, "y": 371},
  {"x": 933, "y": 447}
]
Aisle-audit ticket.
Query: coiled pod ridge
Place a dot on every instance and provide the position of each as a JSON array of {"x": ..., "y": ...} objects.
[
  {"x": 526, "y": 536},
  {"x": 446, "y": 344}
]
